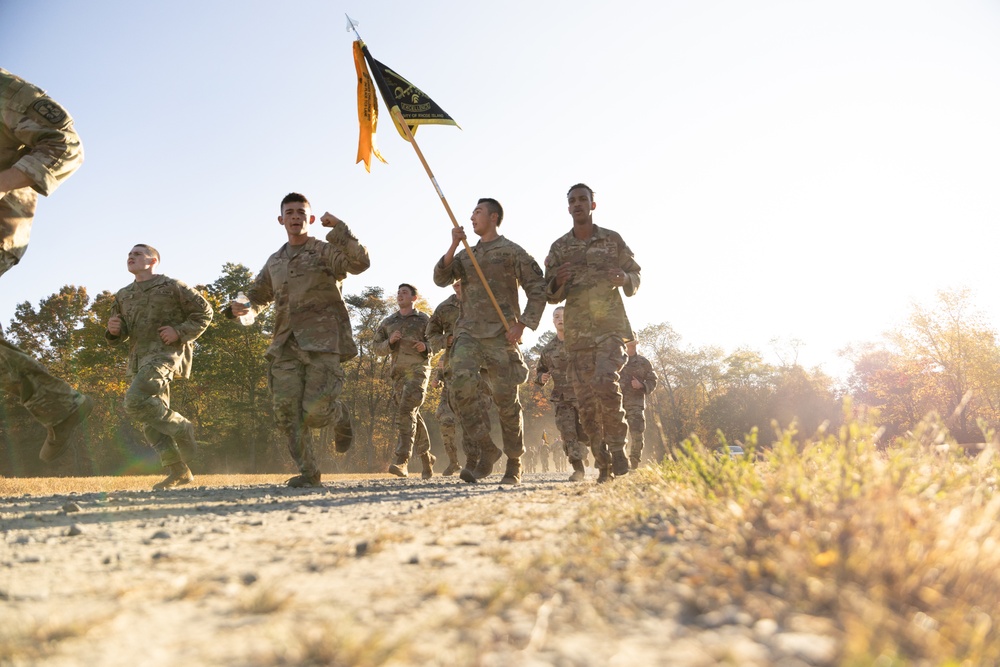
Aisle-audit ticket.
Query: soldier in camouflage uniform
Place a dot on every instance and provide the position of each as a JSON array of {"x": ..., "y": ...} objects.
[
  {"x": 589, "y": 267},
  {"x": 440, "y": 335},
  {"x": 402, "y": 337},
  {"x": 553, "y": 364},
  {"x": 161, "y": 317},
  {"x": 481, "y": 343},
  {"x": 312, "y": 330},
  {"x": 637, "y": 380},
  {"x": 39, "y": 149}
]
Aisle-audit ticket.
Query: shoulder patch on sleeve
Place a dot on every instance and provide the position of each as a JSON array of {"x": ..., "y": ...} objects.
[
  {"x": 50, "y": 111},
  {"x": 537, "y": 269}
]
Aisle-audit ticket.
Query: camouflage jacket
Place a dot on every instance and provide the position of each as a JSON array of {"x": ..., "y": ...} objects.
[
  {"x": 637, "y": 367},
  {"x": 305, "y": 289},
  {"x": 442, "y": 324},
  {"x": 594, "y": 308},
  {"x": 146, "y": 306},
  {"x": 505, "y": 265},
  {"x": 37, "y": 138},
  {"x": 553, "y": 360},
  {"x": 403, "y": 352}
]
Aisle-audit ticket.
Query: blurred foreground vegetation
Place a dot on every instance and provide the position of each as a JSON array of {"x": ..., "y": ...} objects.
[{"x": 891, "y": 554}]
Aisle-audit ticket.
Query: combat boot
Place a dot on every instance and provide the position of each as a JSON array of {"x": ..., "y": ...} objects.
[
  {"x": 619, "y": 463},
  {"x": 59, "y": 436},
  {"x": 604, "y": 475},
  {"x": 343, "y": 433},
  {"x": 304, "y": 481},
  {"x": 486, "y": 461},
  {"x": 634, "y": 461},
  {"x": 452, "y": 468},
  {"x": 579, "y": 472},
  {"x": 512, "y": 475},
  {"x": 468, "y": 472},
  {"x": 427, "y": 461},
  {"x": 179, "y": 475},
  {"x": 399, "y": 467}
]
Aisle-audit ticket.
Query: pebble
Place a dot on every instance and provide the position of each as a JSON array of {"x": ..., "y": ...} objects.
[
  {"x": 814, "y": 649},
  {"x": 74, "y": 530},
  {"x": 70, "y": 507}
]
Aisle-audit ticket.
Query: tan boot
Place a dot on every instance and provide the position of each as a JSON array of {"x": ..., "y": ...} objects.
[
  {"x": 579, "y": 472},
  {"x": 304, "y": 481},
  {"x": 486, "y": 461},
  {"x": 619, "y": 463},
  {"x": 399, "y": 467},
  {"x": 179, "y": 475},
  {"x": 512, "y": 475},
  {"x": 427, "y": 461},
  {"x": 452, "y": 468},
  {"x": 603, "y": 475}
]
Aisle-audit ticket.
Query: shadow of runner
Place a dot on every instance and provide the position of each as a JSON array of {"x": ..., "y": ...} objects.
[{"x": 47, "y": 512}]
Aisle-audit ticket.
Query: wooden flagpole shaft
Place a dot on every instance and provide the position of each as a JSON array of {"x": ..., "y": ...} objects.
[{"x": 397, "y": 114}]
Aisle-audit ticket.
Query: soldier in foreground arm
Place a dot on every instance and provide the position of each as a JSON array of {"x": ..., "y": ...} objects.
[{"x": 39, "y": 149}]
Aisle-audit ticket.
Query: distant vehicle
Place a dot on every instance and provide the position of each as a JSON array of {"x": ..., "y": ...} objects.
[{"x": 734, "y": 451}]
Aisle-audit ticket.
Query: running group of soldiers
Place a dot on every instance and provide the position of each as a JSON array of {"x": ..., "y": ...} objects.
[{"x": 478, "y": 329}]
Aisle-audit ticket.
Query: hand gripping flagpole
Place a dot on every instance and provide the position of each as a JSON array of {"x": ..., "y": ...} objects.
[{"x": 397, "y": 115}]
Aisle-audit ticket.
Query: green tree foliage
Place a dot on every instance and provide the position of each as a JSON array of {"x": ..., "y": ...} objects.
[{"x": 945, "y": 356}]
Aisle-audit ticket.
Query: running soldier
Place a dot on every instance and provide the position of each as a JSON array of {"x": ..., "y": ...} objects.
[
  {"x": 39, "y": 149},
  {"x": 589, "y": 267},
  {"x": 161, "y": 318},
  {"x": 440, "y": 335},
  {"x": 312, "y": 330},
  {"x": 481, "y": 343},
  {"x": 553, "y": 364},
  {"x": 638, "y": 379},
  {"x": 402, "y": 337}
]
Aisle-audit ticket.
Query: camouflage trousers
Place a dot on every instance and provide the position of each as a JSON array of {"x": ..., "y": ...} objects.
[
  {"x": 409, "y": 385},
  {"x": 147, "y": 401},
  {"x": 48, "y": 399},
  {"x": 635, "y": 416},
  {"x": 594, "y": 373},
  {"x": 447, "y": 421},
  {"x": 573, "y": 437},
  {"x": 305, "y": 388},
  {"x": 504, "y": 371}
]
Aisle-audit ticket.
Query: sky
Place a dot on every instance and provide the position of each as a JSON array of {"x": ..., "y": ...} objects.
[{"x": 782, "y": 170}]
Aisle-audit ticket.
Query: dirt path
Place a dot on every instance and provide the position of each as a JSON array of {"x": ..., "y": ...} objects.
[
  {"x": 261, "y": 574},
  {"x": 367, "y": 571}
]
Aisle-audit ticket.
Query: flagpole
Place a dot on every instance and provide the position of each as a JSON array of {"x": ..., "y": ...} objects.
[
  {"x": 401, "y": 122},
  {"x": 397, "y": 114}
]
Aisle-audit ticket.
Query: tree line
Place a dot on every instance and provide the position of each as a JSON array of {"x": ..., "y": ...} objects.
[{"x": 945, "y": 357}]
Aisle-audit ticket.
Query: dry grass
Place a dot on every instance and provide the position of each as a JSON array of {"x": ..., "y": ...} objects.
[
  {"x": 27, "y": 641},
  {"x": 896, "y": 555},
  {"x": 345, "y": 644}
]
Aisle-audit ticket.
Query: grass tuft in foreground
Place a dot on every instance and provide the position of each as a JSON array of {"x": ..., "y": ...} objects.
[{"x": 893, "y": 554}]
